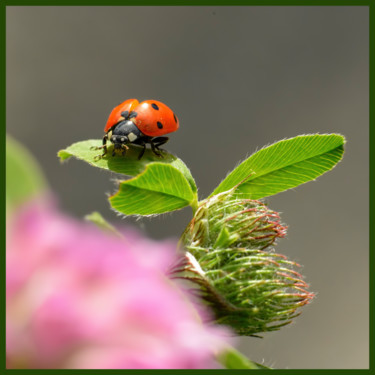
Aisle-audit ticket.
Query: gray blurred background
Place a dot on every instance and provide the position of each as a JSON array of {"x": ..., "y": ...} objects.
[{"x": 238, "y": 78}]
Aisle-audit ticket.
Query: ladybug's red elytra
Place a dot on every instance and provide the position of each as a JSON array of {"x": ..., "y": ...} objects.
[{"x": 139, "y": 123}]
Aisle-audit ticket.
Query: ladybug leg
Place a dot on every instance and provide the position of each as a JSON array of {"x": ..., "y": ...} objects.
[
  {"x": 143, "y": 151},
  {"x": 104, "y": 147},
  {"x": 105, "y": 139},
  {"x": 124, "y": 148},
  {"x": 156, "y": 142},
  {"x": 154, "y": 149}
]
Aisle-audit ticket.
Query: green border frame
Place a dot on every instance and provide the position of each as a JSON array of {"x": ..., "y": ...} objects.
[
  {"x": 368, "y": 3},
  {"x": 191, "y": 2}
]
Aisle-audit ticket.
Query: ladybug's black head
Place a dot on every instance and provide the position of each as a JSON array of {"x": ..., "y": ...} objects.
[{"x": 124, "y": 132}]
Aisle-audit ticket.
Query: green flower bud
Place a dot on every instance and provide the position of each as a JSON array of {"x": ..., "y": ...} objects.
[{"x": 231, "y": 263}]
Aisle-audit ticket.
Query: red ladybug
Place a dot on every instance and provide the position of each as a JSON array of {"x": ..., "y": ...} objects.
[{"x": 139, "y": 123}]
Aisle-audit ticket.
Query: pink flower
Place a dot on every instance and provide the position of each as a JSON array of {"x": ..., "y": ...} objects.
[{"x": 80, "y": 298}]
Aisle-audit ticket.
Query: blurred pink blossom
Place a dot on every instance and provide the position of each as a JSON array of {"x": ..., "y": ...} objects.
[{"x": 80, "y": 298}]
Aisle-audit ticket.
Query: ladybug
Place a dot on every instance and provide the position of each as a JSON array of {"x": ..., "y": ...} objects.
[{"x": 139, "y": 123}]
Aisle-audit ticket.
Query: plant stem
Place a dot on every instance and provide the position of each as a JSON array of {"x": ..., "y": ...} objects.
[{"x": 233, "y": 359}]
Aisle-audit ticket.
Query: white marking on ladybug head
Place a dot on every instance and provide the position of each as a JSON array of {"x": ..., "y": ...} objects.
[
  {"x": 132, "y": 137},
  {"x": 122, "y": 139}
]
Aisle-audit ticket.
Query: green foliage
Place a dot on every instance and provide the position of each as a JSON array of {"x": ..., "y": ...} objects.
[
  {"x": 232, "y": 359},
  {"x": 97, "y": 219},
  {"x": 160, "y": 188},
  {"x": 284, "y": 165},
  {"x": 24, "y": 179},
  {"x": 165, "y": 184},
  {"x": 159, "y": 184}
]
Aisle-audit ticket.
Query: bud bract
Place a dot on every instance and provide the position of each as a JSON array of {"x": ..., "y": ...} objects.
[{"x": 231, "y": 264}]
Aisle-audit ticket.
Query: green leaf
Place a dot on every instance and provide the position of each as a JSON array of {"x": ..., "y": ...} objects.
[
  {"x": 129, "y": 164},
  {"x": 233, "y": 359},
  {"x": 284, "y": 165},
  {"x": 97, "y": 219},
  {"x": 24, "y": 178},
  {"x": 160, "y": 188}
]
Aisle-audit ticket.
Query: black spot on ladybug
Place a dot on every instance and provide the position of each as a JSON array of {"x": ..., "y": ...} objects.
[
  {"x": 153, "y": 105},
  {"x": 160, "y": 125},
  {"x": 133, "y": 114},
  {"x": 175, "y": 118},
  {"x": 125, "y": 114}
]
